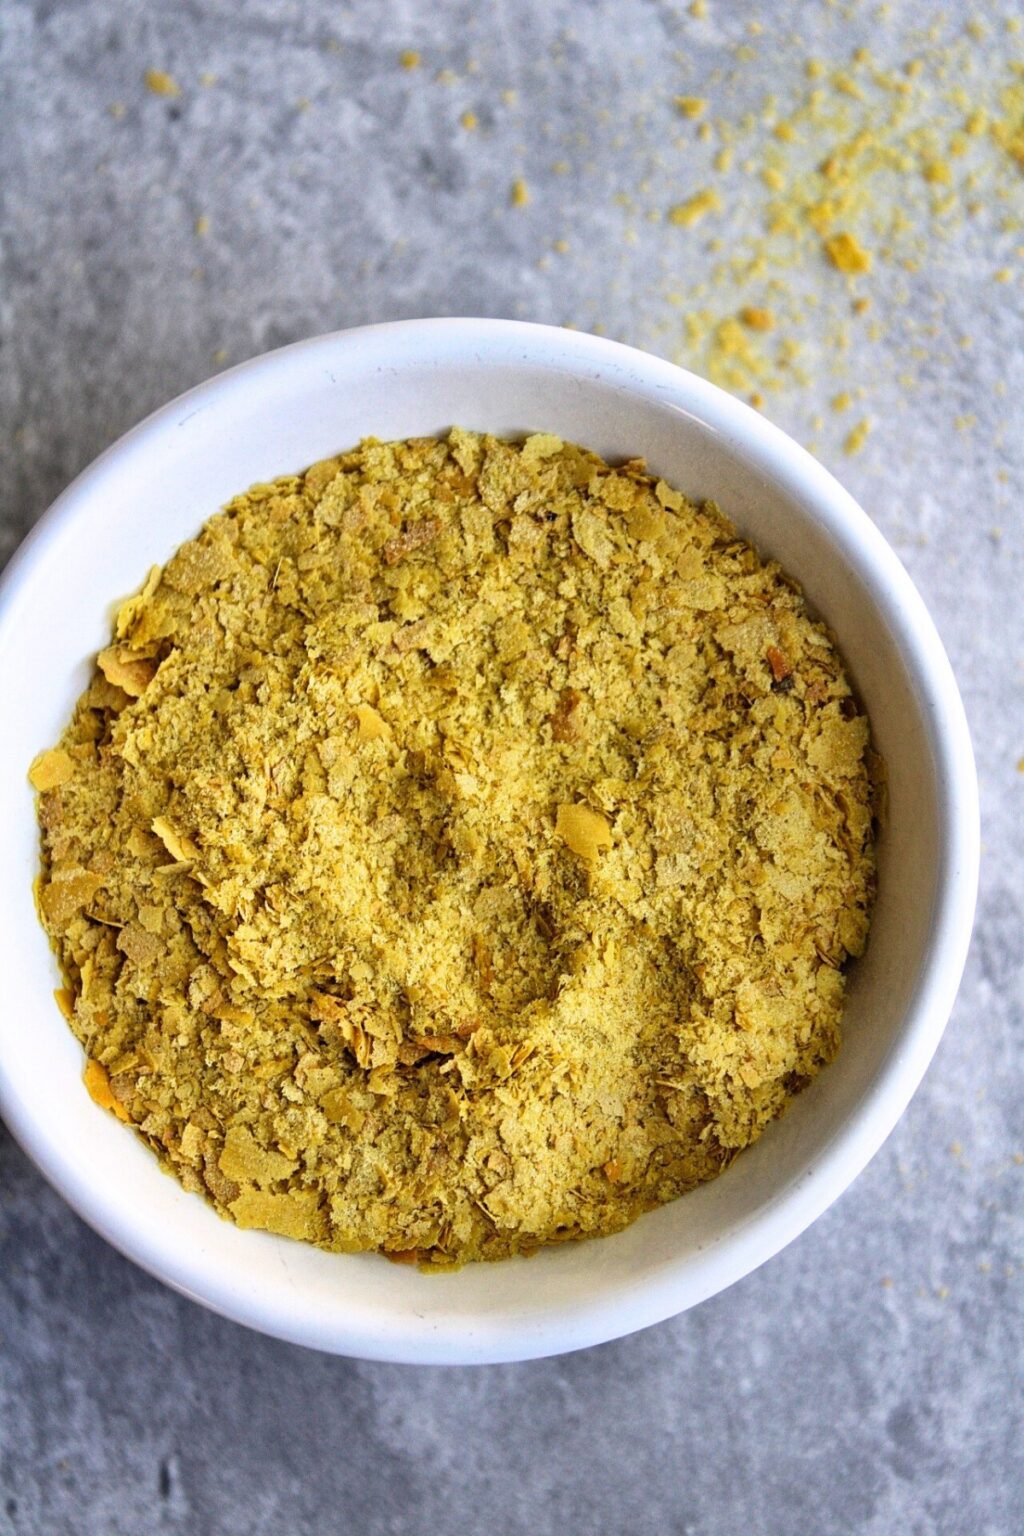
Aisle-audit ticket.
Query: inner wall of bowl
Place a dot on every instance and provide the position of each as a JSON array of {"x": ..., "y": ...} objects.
[{"x": 155, "y": 490}]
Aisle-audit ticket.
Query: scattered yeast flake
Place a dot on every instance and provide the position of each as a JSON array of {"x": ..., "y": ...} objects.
[
  {"x": 161, "y": 83},
  {"x": 756, "y": 318},
  {"x": 695, "y": 208},
  {"x": 857, "y": 437},
  {"x": 847, "y": 254}
]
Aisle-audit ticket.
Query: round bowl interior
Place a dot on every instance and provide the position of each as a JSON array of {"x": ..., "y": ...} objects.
[{"x": 281, "y": 412}]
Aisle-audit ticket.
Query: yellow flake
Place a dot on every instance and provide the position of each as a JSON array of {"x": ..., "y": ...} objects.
[
  {"x": 121, "y": 666},
  {"x": 181, "y": 848},
  {"x": 757, "y": 319},
  {"x": 243, "y": 1159},
  {"x": 694, "y": 208},
  {"x": 857, "y": 437},
  {"x": 51, "y": 769},
  {"x": 67, "y": 891},
  {"x": 97, "y": 1082},
  {"x": 293, "y": 1214},
  {"x": 585, "y": 831},
  {"x": 846, "y": 252},
  {"x": 161, "y": 84},
  {"x": 370, "y": 725}
]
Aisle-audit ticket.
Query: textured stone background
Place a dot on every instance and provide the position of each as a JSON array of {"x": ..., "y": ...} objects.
[{"x": 869, "y": 1379}]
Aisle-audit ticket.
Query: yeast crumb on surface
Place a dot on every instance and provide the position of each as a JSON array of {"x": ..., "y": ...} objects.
[
  {"x": 695, "y": 208},
  {"x": 161, "y": 83},
  {"x": 458, "y": 849},
  {"x": 846, "y": 252},
  {"x": 857, "y": 437}
]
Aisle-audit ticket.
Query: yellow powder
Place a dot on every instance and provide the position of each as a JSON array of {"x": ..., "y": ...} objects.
[
  {"x": 520, "y": 193},
  {"x": 458, "y": 848}
]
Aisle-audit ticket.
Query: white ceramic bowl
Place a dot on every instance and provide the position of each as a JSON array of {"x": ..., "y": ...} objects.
[{"x": 155, "y": 488}]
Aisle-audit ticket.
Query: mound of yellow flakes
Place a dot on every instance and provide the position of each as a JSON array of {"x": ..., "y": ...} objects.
[{"x": 458, "y": 849}]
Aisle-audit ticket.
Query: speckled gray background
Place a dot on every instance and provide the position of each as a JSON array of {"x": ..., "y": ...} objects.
[{"x": 869, "y": 1379}]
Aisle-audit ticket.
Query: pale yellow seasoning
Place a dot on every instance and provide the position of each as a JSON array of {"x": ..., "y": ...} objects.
[{"x": 458, "y": 848}]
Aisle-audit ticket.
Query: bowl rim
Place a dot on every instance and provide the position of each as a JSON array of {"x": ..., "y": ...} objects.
[{"x": 775, "y": 1223}]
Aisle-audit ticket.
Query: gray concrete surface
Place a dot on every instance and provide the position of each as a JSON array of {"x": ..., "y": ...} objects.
[{"x": 869, "y": 1379}]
